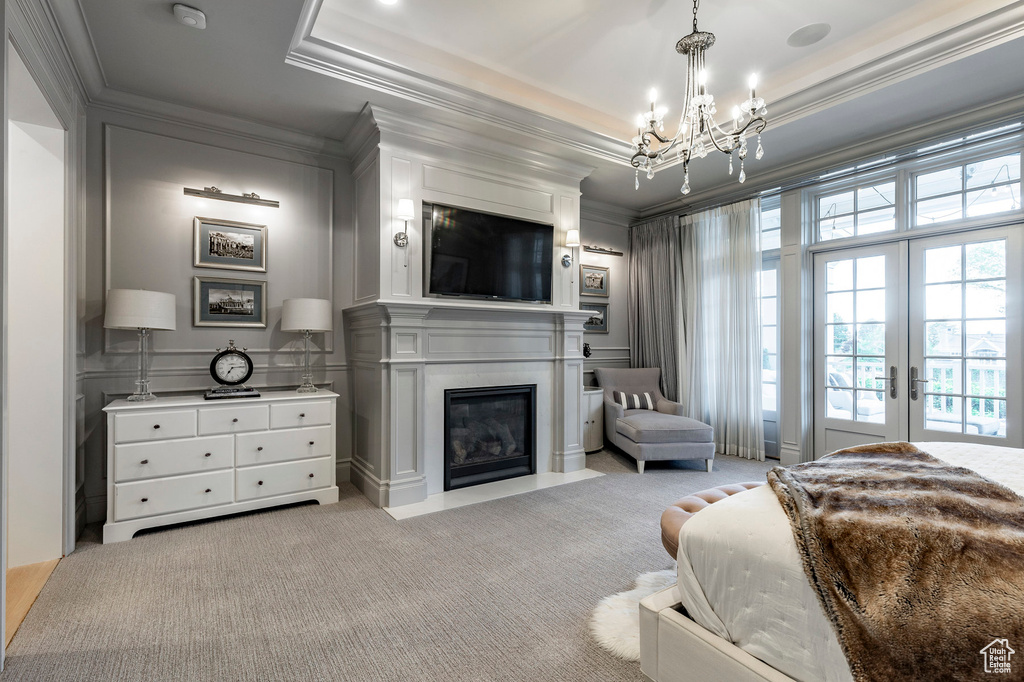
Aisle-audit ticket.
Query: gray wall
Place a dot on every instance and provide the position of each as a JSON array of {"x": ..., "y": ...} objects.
[
  {"x": 610, "y": 230},
  {"x": 140, "y": 235}
]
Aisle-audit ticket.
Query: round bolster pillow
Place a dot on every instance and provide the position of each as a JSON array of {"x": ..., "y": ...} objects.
[{"x": 674, "y": 517}]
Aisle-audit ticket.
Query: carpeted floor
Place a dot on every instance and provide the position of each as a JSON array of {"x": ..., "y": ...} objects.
[{"x": 496, "y": 591}]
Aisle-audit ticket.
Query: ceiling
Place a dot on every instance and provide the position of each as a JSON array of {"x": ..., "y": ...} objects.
[{"x": 573, "y": 73}]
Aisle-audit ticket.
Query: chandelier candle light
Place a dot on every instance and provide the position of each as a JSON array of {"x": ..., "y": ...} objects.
[{"x": 697, "y": 125}]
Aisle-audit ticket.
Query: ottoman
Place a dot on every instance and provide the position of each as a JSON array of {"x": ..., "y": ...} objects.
[{"x": 673, "y": 518}]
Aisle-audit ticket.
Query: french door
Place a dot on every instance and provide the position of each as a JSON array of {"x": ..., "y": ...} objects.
[{"x": 920, "y": 340}]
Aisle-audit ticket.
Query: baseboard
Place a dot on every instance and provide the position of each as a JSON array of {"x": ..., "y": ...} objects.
[
  {"x": 369, "y": 485},
  {"x": 406, "y": 492},
  {"x": 343, "y": 471},
  {"x": 573, "y": 460}
]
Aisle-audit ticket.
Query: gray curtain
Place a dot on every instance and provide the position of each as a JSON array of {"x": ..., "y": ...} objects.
[
  {"x": 721, "y": 318},
  {"x": 654, "y": 299}
]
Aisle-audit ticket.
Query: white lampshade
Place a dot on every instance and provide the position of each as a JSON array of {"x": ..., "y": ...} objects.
[
  {"x": 139, "y": 309},
  {"x": 301, "y": 314},
  {"x": 572, "y": 238},
  {"x": 406, "y": 210}
]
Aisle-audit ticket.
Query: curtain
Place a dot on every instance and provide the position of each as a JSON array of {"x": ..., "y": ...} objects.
[
  {"x": 654, "y": 299},
  {"x": 721, "y": 320}
]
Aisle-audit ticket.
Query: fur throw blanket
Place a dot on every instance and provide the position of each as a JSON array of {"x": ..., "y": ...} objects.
[{"x": 919, "y": 565}]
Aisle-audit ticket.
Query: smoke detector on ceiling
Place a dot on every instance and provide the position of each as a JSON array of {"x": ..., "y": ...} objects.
[{"x": 189, "y": 16}]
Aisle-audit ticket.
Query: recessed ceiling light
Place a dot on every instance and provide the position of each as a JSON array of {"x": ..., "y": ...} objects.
[
  {"x": 189, "y": 16},
  {"x": 388, "y": 2},
  {"x": 808, "y": 35}
]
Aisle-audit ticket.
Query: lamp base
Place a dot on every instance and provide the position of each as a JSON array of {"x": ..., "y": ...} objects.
[
  {"x": 307, "y": 385},
  {"x": 142, "y": 393}
]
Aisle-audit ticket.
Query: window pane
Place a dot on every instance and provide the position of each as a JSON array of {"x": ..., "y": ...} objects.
[
  {"x": 876, "y": 196},
  {"x": 986, "y": 299},
  {"x": 769, "y": 365},
  {"x": 939, "y": 210},
  {"x": 768, "y": 311},
  {"x": 769, "y": 340},
  {"x": 871, "y": 306},
  {"x": 839, "y": 275},
  {"x": 942, "y": 301},
  {"x": 771, "y": 239},
  {"x": 943, "y": 265},
  {"x": 768, "y": 397},
  {"x": 771, "y": 219},
  {"x": 839, "y": 338},
  {"x": 940, "y": 182},
  {"x": 839, "y": 371},
  {"x": 835, "y": 204},
  {"x": 943, "y": 413},
  {"x": 838, "y": 403},
  {"x": 769, "y": 277},
  {"x": 943, "y": 338},
  {"x": 871, "y": 339},
  {"x": 992, "y": 171},
  {"x": 839, "y": 307},
  {"x": 871, "y": 407},
  {"x": 986, "y": 260},
  {"x": 871, "y": 272},
  {"x": 943, "y": 375},
  {"x": 987, "y": 378},
  {"x": 836, "y": 228},
  {"x": 986, "y": 339},
  {"x": 867, "y": 370},
  {"x": 876, "y": 221},
  {"x": 993, "y": 200},
  {"x": 986, "y": 417}
]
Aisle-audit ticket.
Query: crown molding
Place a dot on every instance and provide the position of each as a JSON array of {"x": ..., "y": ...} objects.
[
  {"x": 378, "y": 126},
  {"x": 806, "y": 170},
  {"x": 599, "y": 212}
]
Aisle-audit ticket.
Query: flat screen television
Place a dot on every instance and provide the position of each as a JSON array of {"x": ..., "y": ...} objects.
[{"x": 487, "y": 256}]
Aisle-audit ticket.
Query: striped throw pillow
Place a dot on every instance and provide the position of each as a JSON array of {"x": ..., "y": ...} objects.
[{"x": 634, "y": 401}]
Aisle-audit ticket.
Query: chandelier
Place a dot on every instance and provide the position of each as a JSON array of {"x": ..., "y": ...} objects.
[{"x": 698, "y": 131}]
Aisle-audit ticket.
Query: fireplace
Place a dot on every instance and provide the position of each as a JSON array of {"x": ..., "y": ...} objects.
[{"x": 490, "y": 434}]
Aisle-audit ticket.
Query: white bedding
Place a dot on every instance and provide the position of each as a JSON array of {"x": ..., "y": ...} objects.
[{"x": 740, "y": 575}]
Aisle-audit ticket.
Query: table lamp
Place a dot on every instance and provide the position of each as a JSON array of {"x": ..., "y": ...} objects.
[
  {"x": 306, "y": 315},
  {"x": 140, "y": 310}
]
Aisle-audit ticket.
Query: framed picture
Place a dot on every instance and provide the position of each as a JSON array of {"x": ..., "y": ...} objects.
[
  {"x": 228, "y": 245},
  {"x": 593, "y": 280},
  {"x": 219, "y": 302},
  {"x": 598, "y": 322}
]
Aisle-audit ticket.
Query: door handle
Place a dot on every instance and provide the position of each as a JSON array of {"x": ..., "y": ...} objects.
[
  {"x": 891, "y": 379},
  {"x": 914, "y": 381}
]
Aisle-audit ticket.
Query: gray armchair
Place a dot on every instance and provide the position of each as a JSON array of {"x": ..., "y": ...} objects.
[{"x": 644, "y": 435}]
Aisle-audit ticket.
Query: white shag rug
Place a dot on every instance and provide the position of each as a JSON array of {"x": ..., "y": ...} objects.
[{"x": 615, "y": 623}]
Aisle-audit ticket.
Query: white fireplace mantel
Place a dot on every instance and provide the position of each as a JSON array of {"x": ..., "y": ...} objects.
[{"x": 405, "y": 355}]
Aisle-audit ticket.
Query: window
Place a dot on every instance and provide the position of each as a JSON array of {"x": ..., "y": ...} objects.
[
  {"x": 968, "y": 190},
  {"x": 861, "y": 210},
  {"x": 771, "y": 225},
  {"x": 769, "y": 336}
]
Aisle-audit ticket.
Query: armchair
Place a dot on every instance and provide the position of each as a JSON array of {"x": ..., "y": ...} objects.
[{"x": 659, "y": 434}]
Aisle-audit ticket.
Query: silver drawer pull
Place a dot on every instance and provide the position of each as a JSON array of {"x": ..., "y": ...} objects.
[
  {"x": 311, "y": 475},
  {"x": 207, "y": 490},
  {"x": 145, "y": 461},
  {"x": 235, "y": 420},
  {"x": 259, "y": 482},
  {"x": 302, "y": 414},
  {"x": 259, "y": 449},
  {"x": 207, "y": 454},
  {"x": 310, "y": 442},
  {"x": 156, "y": 426},
  {"x": 145, "y": 499}
]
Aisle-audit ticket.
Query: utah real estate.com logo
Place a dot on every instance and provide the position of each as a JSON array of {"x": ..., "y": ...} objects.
[{"x": 997, "y": 656}]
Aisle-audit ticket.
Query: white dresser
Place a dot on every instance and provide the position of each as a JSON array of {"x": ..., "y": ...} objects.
[
  {"x": 593, "y": 419},
  {"x": 179, "y": 459}
]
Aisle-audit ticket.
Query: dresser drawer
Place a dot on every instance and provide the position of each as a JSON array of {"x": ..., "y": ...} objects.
[
  {"x": 278, "y": 446},
  {"x": 290, "y": 415},
  {"x": 130, "y": 427},
  {"x": 233, "y": 419},
  {"x": 281, "y": 479},
  {"x": 170, "y": 458},
  {"x": 167, "y": 495}
]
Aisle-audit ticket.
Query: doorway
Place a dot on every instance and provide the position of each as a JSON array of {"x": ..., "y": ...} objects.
[
  {"x": 912, "y": 341},
  {"x": 34, "y": 343}
]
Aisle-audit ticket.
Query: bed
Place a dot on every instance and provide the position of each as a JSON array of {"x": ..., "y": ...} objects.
[{"x": 753, "y": 615}]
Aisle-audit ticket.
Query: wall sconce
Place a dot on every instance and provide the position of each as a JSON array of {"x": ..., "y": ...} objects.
[
  {"x": 572, "y": 240},
  {"x": 405, "y": 212}
]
